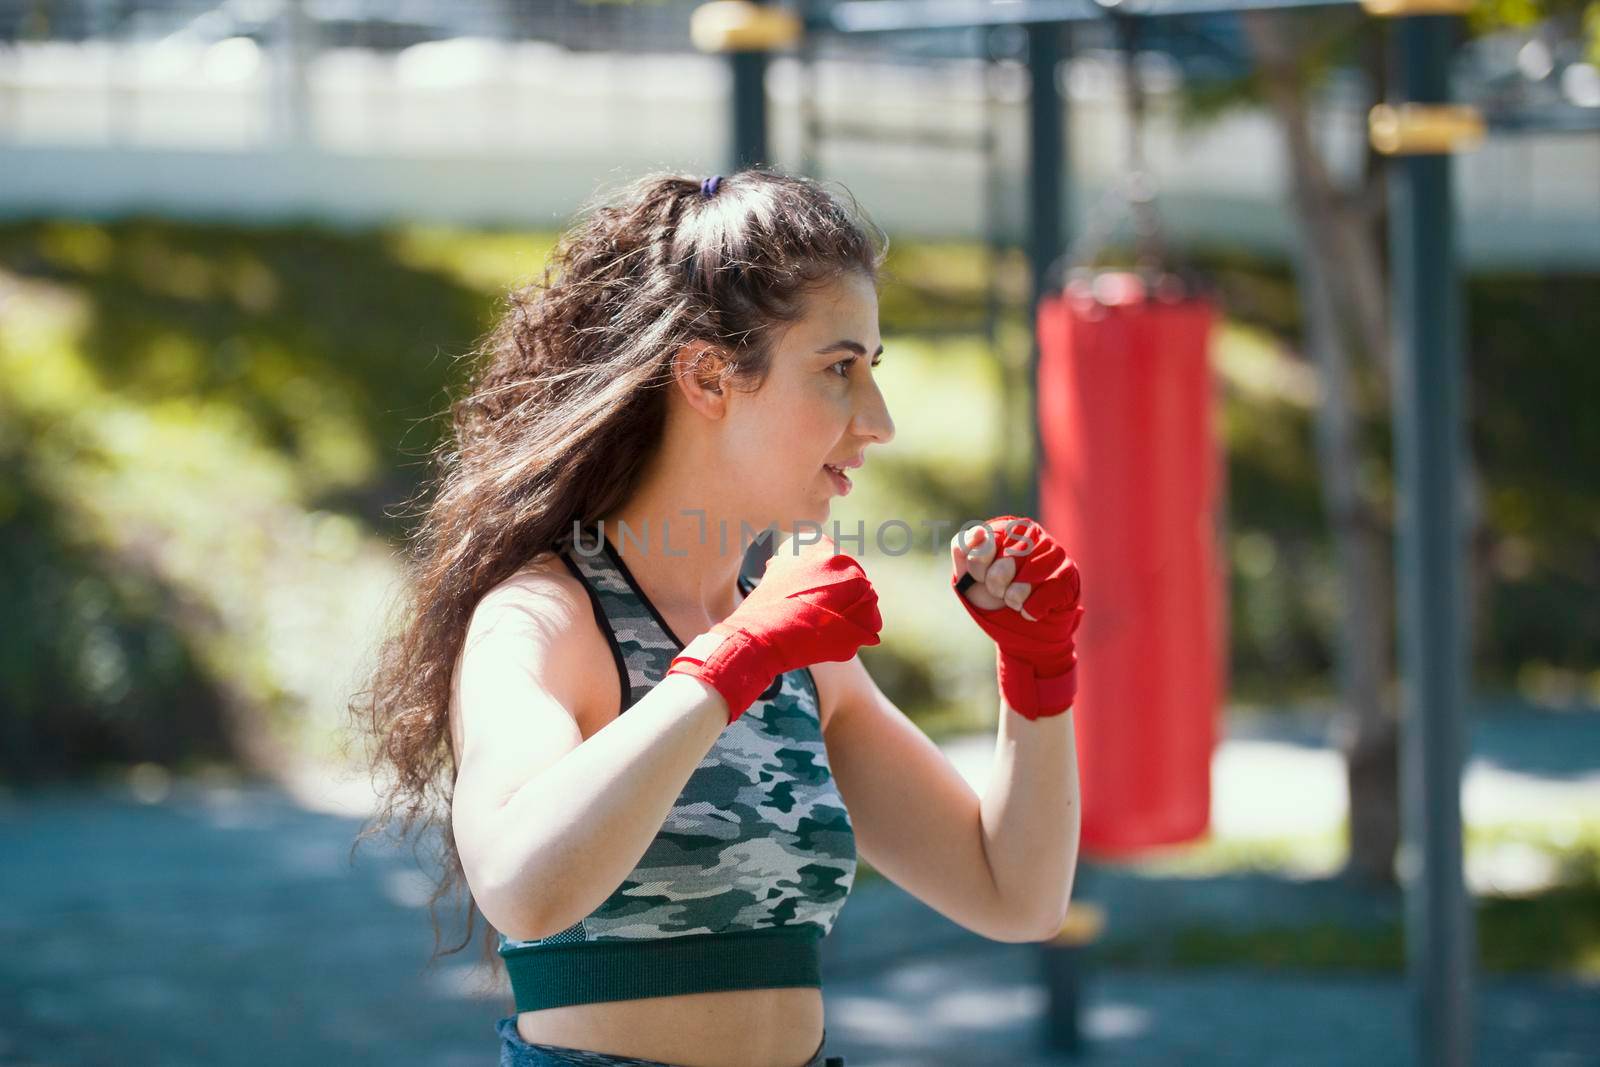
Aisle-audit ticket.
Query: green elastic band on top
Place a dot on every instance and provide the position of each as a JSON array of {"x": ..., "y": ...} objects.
[{"x": 555, "y": 975}]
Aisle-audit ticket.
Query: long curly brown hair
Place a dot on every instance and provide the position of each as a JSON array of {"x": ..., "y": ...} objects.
[{"x": 566, "y": 397}]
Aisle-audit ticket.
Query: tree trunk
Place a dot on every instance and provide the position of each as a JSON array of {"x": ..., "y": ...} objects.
[{"x": 1341, "y": 285}]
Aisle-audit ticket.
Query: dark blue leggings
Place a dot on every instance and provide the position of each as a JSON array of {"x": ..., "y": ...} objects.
[{"x": 515, "y": 1052}]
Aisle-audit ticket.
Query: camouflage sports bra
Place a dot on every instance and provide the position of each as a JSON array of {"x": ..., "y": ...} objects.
[{"x": 751, "y": 866}]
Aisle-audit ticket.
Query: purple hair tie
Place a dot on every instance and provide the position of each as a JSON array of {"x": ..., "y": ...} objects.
[{"x": 708, "y": 188}]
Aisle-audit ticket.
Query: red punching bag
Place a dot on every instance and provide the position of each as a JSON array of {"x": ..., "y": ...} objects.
[{"x": 1129, "y": 483}]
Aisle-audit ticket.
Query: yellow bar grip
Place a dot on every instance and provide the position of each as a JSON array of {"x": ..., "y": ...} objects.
[
  {"x": 741, "y": 26},
  {"x": 1390, "y": 9},
  {"x": 1424, "y": 129}
]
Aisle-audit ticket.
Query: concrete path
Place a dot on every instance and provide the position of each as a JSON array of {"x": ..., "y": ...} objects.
[
  {"x": 907, "y": 988},
  {"x": 221, "y": 923}
]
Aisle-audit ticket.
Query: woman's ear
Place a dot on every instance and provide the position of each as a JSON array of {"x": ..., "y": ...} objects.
[{"x": 700, "y": 371}]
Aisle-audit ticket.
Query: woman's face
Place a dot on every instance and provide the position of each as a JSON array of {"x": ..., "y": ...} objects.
[{"x": 819, "y": 406}]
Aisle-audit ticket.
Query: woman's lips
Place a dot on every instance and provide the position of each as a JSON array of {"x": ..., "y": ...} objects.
[{"x": 841, "y": 480}]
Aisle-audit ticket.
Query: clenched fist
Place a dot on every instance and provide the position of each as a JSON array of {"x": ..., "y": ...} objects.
[
  {"x": 809, "y": 607},
  {"x": 1022, "y": 590}
]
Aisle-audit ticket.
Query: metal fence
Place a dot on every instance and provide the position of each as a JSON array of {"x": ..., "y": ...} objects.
[{"x": 503, "y": 111}]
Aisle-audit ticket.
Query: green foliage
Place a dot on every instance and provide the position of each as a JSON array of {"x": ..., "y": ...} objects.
[
  {"x": 184, "y": 409},
  {"x": 96, "y": 658},
  {"x": 1554, "y": 928},
  {"x": 209, "y": 433},
  {"x": 1532, "y": 341},
  {"x": 1487, "y": 16},
  {"x": 1553, "y": 931},
  {"x": 1583, "y": 16},
  {"x": 1529, "y": 340},
  {"x": 1332, "y": 40},
  {"x": 939, "y": 286}
]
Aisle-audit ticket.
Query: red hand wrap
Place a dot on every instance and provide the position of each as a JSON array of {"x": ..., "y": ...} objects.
[
  {"x": 1035, "y": 661},
  {"x": 807, "y": 608}
]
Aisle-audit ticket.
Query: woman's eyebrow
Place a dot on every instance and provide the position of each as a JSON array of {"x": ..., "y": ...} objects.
[{"x": 851, "y": 346}]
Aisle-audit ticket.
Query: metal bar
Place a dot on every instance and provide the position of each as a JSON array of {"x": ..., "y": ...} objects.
[
  {"x": 889, "y": 16},
  {"x": 905, "y": 136},
  {"x": 748, "y": 120},
  {"x": 748, "y": 130},
  {"x": 1047, "y": 165},
  {"x": 1428, "y": 442},
  {"x": 1558, "y": 119},
  {"x": 998, "y": 45}
]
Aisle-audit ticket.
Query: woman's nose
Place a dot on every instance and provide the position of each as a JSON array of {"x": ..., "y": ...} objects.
[{"x": 873, "y": 420}]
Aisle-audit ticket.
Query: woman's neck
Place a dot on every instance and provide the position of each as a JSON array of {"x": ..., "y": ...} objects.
[{"x": 687, "y": 562}]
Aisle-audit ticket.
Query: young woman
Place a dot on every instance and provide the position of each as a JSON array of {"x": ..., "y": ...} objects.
[{"x": 695, "y": 366}]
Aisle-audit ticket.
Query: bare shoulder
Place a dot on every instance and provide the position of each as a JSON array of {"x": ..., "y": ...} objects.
[
  {"x": 533, "y": 633},
  {"x": 525, "y": 691},
  {"x": 541, "y": 590}
]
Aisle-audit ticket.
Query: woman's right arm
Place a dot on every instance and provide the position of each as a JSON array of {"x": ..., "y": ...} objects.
[{"x": 548, "y": 824}]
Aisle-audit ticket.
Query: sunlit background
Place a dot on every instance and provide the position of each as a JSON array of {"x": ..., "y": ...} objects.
[{"x": 243, "y": 248}]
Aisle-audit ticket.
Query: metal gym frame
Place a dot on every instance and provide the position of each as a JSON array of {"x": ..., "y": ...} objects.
[{"x": 1419, "y": 128}]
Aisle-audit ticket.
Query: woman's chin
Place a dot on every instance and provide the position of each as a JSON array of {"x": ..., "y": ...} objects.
[{"x": 818, "y": 511}]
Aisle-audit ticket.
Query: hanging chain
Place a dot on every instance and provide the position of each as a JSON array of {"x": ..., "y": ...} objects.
[{"x": 1134, "y": 191}]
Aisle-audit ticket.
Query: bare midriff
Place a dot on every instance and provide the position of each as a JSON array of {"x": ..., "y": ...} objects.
[{"x": 729, "y": 1028}]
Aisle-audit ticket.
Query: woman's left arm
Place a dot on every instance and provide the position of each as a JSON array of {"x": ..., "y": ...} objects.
[
  {"x": 1031, "y": 814},
  {"x": 1002, "y": 864}
]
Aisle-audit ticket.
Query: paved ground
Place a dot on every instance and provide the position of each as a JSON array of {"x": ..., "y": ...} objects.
[
  {"x": 217, "y": 927},
  {"x": 223, "y": 924},
  {"x": 953, "y": 999}
]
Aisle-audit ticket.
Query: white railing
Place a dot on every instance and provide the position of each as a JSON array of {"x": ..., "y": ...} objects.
[{"x": 493, "y": 130}]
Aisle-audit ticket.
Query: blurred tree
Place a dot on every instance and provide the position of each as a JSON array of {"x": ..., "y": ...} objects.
[{"x": 1343, "y": 284}]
